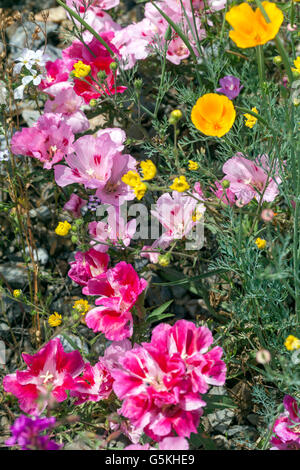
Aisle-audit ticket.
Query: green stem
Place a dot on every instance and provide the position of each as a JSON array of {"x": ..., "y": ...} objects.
[
  {"x": 261, "y": 66},
  {"x": 285, "y": 59}
]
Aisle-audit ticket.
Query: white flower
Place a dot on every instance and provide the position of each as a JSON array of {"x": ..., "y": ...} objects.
[
  {"x": 29, "y": 58},
  {"x": 35, "y": 79},
  {"x": 4, "y": 155}
]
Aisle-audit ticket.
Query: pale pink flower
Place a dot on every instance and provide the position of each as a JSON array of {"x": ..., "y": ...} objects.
[
  {"x": 178, "y": 214},
  {"x": 49, "y": 140},
  {"x": 96, "y": 4},
  {"x": 68, "y": 104},
  {"x": 250, "y": 179},
  {"x": 49, "y": 374}
]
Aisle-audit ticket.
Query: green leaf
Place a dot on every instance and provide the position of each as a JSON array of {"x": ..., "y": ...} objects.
[
  {"x": 157, "y": 314},
  {"x": 218, "y": 402}
]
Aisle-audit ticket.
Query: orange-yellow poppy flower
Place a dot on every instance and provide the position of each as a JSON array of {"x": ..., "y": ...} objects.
[
  {"x": 213, "y": 114},
  {"x": 250, "y": 28}
]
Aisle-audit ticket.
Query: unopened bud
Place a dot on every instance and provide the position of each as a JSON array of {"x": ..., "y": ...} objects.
[
  {"x": 277, "y": 60},
  {"x": 225, "y": 184},
  {"x": 93, "y": 103},
  {"x": 113, "y": 66}
]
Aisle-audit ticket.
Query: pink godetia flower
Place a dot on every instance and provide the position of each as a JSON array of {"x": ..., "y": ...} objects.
[
  {"x": 178, "y": 214},
  {"x": 252, "y": 179},
  {"x": 119, "y": 289},
  {"x": 287, "y": 427},
  {"x": 74, "y": 204},
  {"x": 80, "y": 5},
  {"x": 230, "y": 86},
  {"x": 168, "y": 443},
  {"x": 224, "y": 194},
  {"x": 99, "y": 59},
  {"x": 68, "y": 104},
  {"x": 49, "y": 374},
  {"x": 88, "y": 265},
  {"x": 94, "y": 384},
  {"x": 151, "y": 252},
  {"x": 97, "y": 163},
  {"x": 49, "y": 140},
  {"x": 27, "y": 433},
  {"x": 57, "y": 71},
  {"x": 160, "y": 382},
  {"x": 115, "y": 231}
]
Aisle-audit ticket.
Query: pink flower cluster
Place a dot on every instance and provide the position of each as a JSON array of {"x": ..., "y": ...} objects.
[
  {"x": 287, "y": 427},
  {"x": 161, "y": 382}
]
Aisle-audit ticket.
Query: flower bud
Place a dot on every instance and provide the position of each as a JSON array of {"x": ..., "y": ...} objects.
[
  {"x": 225, "y": 184},
  {"x": 93, "y": 103},
  {"x": 74, "y": 239},
  {"x": 277, "y": 60},
  {"x": 164, "y": 260},
  {"x": 113, "y": 66}
]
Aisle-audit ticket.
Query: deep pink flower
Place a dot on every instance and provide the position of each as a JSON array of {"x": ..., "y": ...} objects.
[
  {"x": 287, "y": 427},
  {"x": 88, "y": 265},
  {"x": 160, "y": 382},
  {"x": 49, "y": 374},
  {"x": 26, "y": 433},
  {"x": 96, "y": 4},
  {"x": 74, "y": 204},
  {"x": 225, "y": 195},
  {"x": 119, "y": 289},
  {"x": 49, "y": 140},
  {"x": 99, "y": 59},
  {"x": 57, "y": 71},
  {"x": 94, "y": 384}
]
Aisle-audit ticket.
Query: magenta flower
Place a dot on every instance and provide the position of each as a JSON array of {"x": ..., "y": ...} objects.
[
  {"x": 225, "y": 195},
  {"x": 88, "y": 265},
  {"x": 49, "y": 374},
  {"x": 94, "y": 384},
  {"x": 287, "y": 427},
  {"x": 74, "y": 204},
  {"x": 160, "y": 382},
  {"x": 49, "y": 140},
  {"x": 230, "y": 86},
  {"x": 26, "y": 433},
  {"x": 250, "y": 179},
  {"x": 168, "y": 443},
  {"x": 57, "y": 72},
  {"x": 119, "y": 289}
]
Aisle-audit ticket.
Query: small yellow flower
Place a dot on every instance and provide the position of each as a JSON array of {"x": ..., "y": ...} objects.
[
  {"x": 17, "y": 293},
  {"x": 193, "y": 165},
  {"x": 140, "y": 190},
  {"x": 149, "y": 169},
  {"x": 132, "y": 178},
  {"x": 55, "y": 319},
  {"x": 251, "y": 120},
  {"x": 197, "y": 215},
  {"x": 63, "y": 228},
  {"x": 81, "y": 306},
  {"x": 180, "y": 184},
  {"x": 292, "y": 343},
  {"x": 81, "y": 70},
  {"x": 260, "y": 243},
  {"x": 297, "y": 65}
]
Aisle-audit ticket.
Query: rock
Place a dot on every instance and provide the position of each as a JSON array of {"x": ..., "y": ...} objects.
[
  {"x": 242, "y": 432},
  {"x": 18, "y": 36},
  {"x": 54, "y": 15},
  {"x": 40, "y": 255},
  {"x": 53, "y": 52},
  {"x": 139, "y": 264},
  {"x": 4, "y": 331},
  {"x": 43, "y": 213},
  {"x": 221, "y": 420},
  {"x": 15, "y": 276},
  {"x": 68, "y": 347},
  {"x": 30, "y": 116},
  {"x": 178, "y": 292}
]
